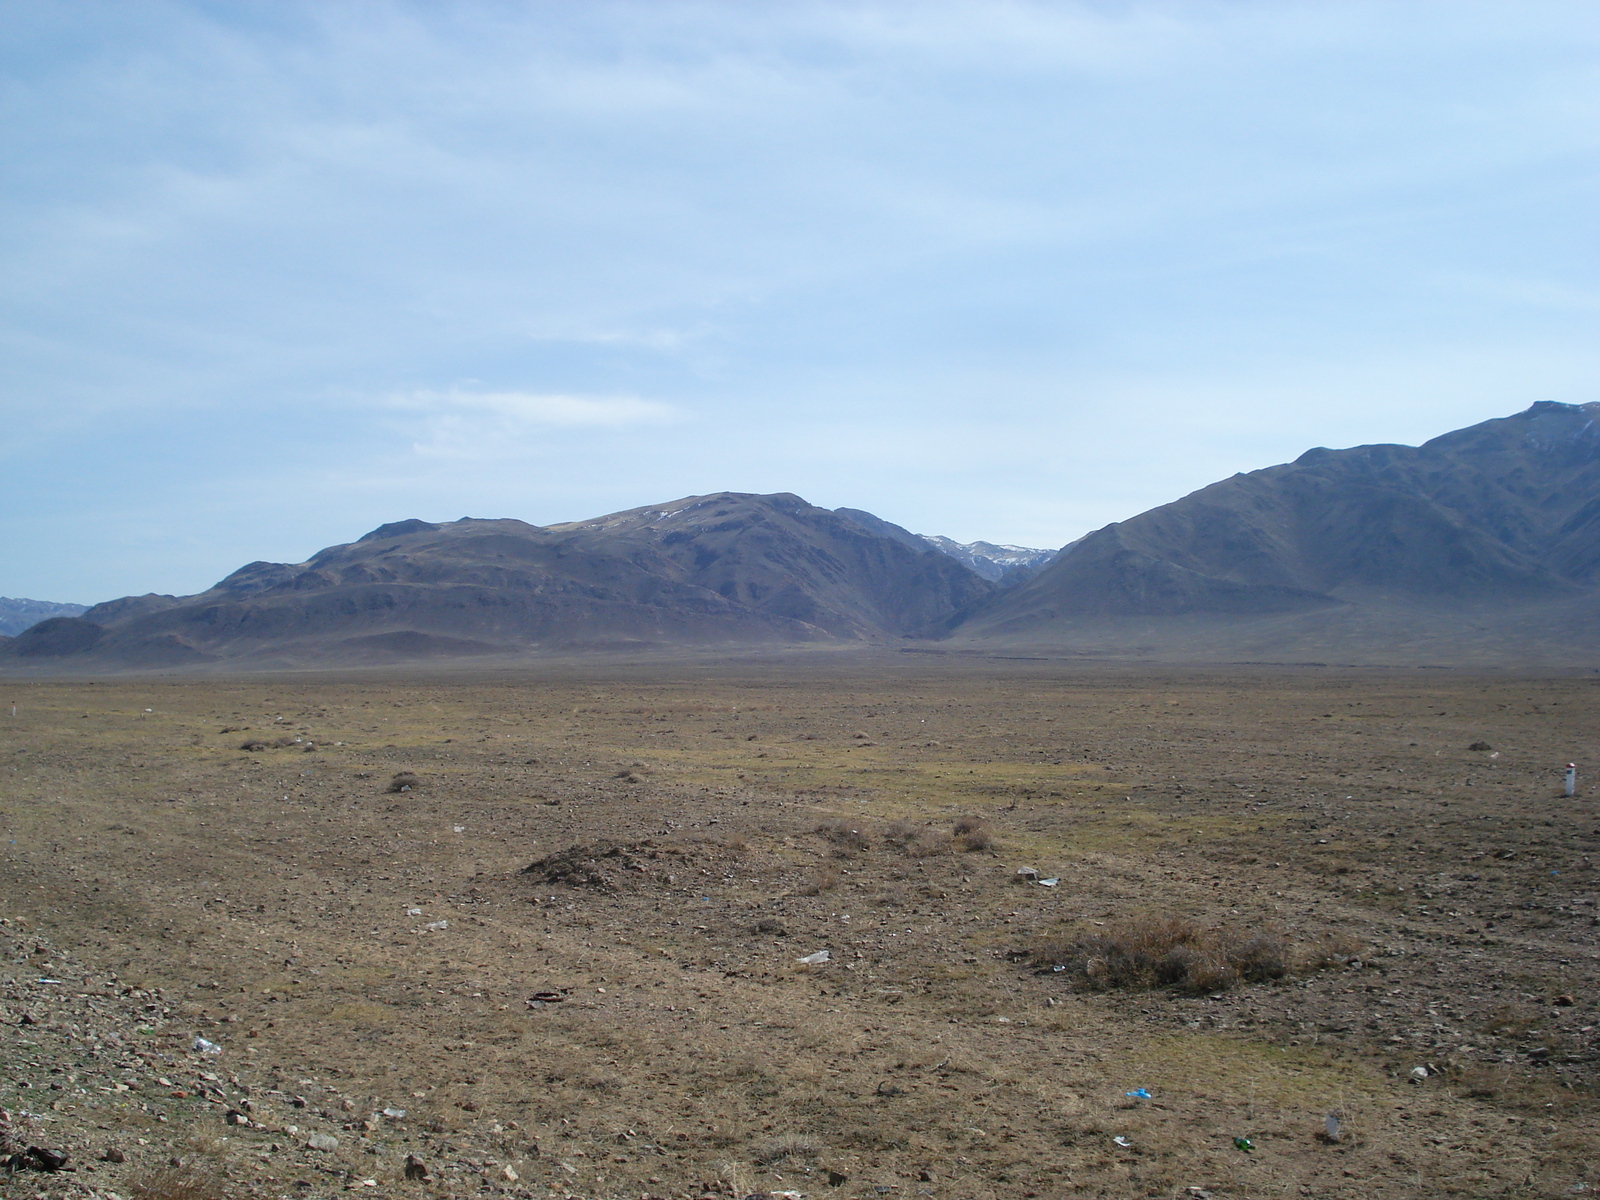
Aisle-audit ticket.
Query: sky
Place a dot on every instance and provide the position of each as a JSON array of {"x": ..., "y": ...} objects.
[{"x": 274, "y": 273}]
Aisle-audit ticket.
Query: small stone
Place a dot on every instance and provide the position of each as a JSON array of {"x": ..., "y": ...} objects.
[
  {"x": 510, "y": 1174},
  {"x": 322, "y": 1141},
  {"x": 113, "y": 1155},
  {"x": 837, "y": 1179},
  {"x": 1564, "y": 1001},
  {"x": 415, "y": 1167}
]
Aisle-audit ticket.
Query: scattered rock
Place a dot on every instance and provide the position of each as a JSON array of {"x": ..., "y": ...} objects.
[
  {"x": 47, "y": 1160},
  {"x": 322, "y": 1141},
  {"x": 416, "y": 1168}
]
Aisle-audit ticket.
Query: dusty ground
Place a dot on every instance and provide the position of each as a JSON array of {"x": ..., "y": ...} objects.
[{"x": 350, "y": 949}]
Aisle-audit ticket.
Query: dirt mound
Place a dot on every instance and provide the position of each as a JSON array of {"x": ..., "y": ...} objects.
[{"x": 611, "y": 866}]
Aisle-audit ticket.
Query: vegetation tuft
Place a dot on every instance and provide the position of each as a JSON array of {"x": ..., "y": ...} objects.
[{"x": 1168, "y": 952}]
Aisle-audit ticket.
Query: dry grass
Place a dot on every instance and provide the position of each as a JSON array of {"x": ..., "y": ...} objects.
[
  {"x": 973, "y": 834},
  {"x": 1168, "y": 952},
  {"x": 848, "y": 838},
  {"x": 786, "y": 1146},
  {"x": 186, "y": 1182},
  {"x": 824, "y": 880}
]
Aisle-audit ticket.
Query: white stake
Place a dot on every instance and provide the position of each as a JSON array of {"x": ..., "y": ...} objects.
[{"x": 1572, "y": 779}]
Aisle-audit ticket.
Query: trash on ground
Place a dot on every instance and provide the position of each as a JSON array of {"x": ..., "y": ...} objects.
[
  {"x": 1051, "y": 882},
  {"x": 1244, "y": 1143},
  {"x": 821, "y": 956},
  {"x": 395, "y": 1114},
  {"x": 1330, "y": 1125},
  {"x": 1137, "y": 1094},
  {"x": 437, "y": 925},
  {"x": 201, "y": 1046},
  {"x": 1122, "y": 1141},
  {"x": 1419, "y": 1073},
  {"x": 1024, "y": 874}
]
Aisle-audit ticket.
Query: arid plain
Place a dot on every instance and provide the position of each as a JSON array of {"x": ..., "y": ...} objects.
[{"x": 633, "y": 1018}]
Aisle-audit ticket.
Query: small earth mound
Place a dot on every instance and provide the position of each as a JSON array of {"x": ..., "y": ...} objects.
[{"x": 608, "y": 866}]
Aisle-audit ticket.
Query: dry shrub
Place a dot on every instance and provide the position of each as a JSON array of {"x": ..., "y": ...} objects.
[
  {"x": 900, "y": 833},
  {"x": 1171, "y": 952},
  {"x": 1326, "y": 951},
  {"x": 825, "y": 879},
  {"x": 847, "y": 837},
  {"x": 917, "y": 841},
  {"x": 786, "y": 1146},
  {"x": 1513, "y": 1018},
  {"x": 404, "y": 781},
  {"x": 187, "y": 1182},
  {"x": 973, "y": 833}
]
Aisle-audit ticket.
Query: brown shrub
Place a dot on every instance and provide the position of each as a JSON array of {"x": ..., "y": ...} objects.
[
  {"x": 1328, "y": 950},
  {"x": 849, "y": 838},
  {"x": 1171, "y": 952},
  {"x": 973, "y": 833},
  {"x": 187, "y": 1182},
  {"x": 900, "y": 833},
  {"x": 826, "y": 879}
]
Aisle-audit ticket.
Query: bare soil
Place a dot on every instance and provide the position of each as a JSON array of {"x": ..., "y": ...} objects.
[{"x": 631, "y": 1017}]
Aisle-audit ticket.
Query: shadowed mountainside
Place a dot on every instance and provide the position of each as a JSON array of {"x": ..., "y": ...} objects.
[
  {"x": 1496, "y": 523},
  {"x": 725, "y": 568}
]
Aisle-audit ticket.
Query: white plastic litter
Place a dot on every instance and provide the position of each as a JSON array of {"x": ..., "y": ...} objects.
[
  {"x": 1122, "y": 1141},
  {"x": 1051, "y": 882},
  {"x": 204, "y": 1047},
  {"x": 437, "y": 925},
  {"x": 821, "y": 956}
]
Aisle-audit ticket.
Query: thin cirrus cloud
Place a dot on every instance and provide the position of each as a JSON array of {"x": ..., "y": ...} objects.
[{"x": 461, "y": 424}]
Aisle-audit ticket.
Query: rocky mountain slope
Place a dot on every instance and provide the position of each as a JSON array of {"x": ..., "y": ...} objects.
[
  {"x": 724, "y": 568},
  {"x": 17, "y": 615},
  {"x": 1498, "y": 522}
]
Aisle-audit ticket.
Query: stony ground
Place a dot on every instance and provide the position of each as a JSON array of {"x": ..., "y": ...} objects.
[{"x": 261, "y": 972}]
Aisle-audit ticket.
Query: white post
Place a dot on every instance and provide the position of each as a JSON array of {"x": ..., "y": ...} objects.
[{"x": 1572, "y": 779}]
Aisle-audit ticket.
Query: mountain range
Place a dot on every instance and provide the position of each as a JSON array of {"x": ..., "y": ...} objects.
[
  {"x": 1482, "y": 545},
  {"x": 17, "y": 615}
]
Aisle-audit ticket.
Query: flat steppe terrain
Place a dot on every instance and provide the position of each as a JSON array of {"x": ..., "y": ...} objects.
[{"x": 632, "y": 1018}]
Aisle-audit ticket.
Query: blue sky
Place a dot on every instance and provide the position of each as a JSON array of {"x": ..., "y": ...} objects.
[{"x": 274, "y": 273}]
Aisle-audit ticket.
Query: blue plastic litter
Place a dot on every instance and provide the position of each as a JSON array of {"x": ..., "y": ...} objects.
[{"x": 1138, "y": 1094}]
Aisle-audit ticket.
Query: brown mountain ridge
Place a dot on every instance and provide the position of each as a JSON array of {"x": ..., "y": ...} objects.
[{"x": 728, "y": 568}]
